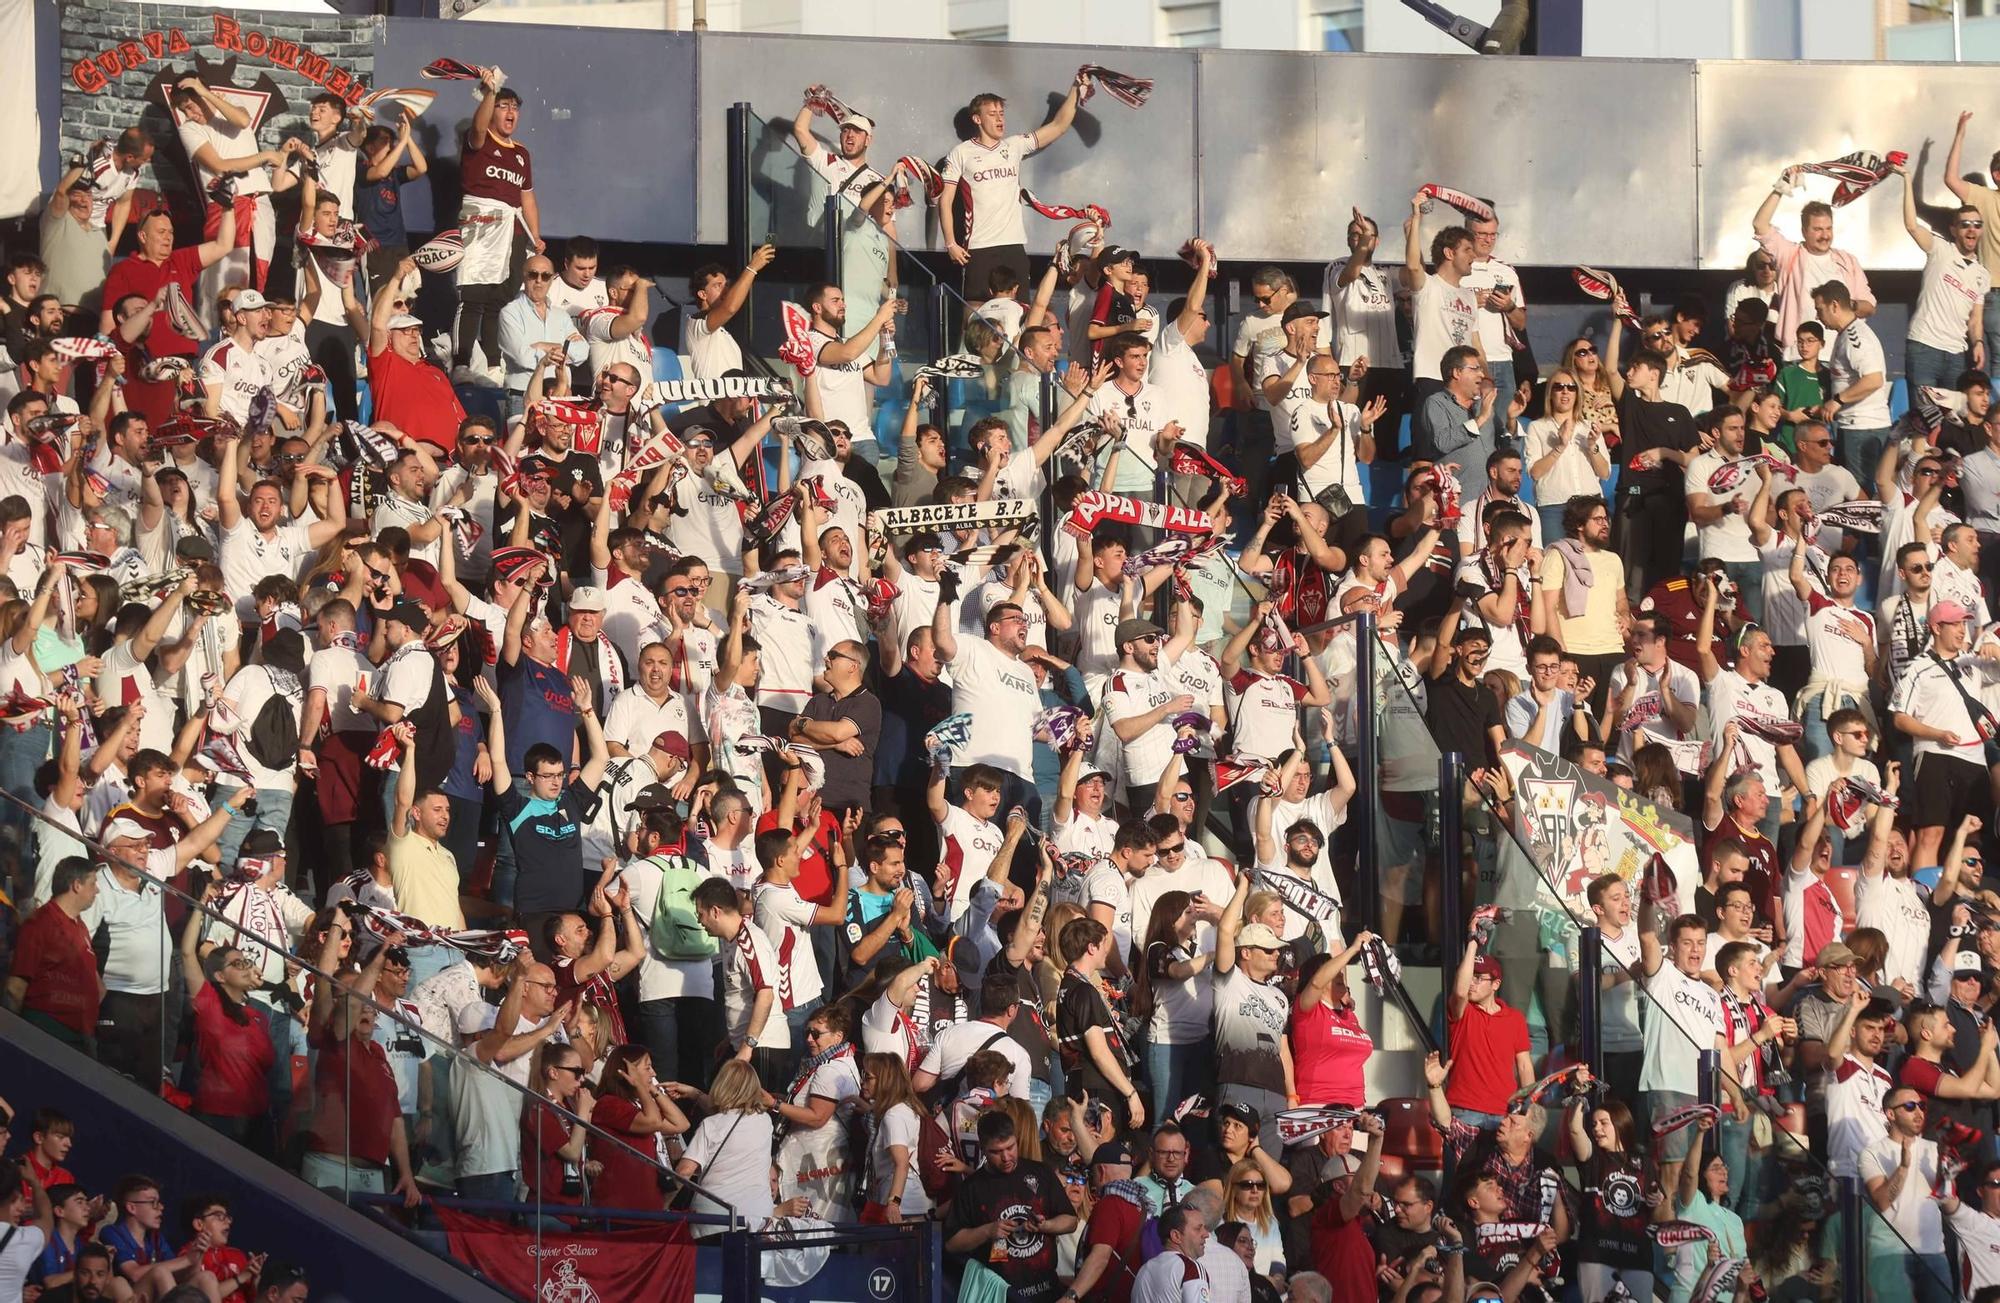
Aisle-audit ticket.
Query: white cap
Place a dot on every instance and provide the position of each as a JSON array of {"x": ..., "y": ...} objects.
[
  {"x": 860, "y": 122},
  {"x": 119, "y": 830},
  {"x": 403, "y": 321},
  {"x": 248, "y": 301},
  {"x": 587, "y": 598}
]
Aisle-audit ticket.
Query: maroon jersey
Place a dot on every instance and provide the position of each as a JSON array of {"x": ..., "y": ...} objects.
[{"x": 496, "y": 171}]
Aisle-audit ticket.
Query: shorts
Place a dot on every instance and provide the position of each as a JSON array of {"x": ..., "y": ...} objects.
[
  {"x": 1943, "y": 790},
  {"x": 1672, "y": 1148},
  {"x": 979, "y": 268}
]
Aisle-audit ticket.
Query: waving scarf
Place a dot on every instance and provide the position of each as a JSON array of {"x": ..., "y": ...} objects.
[
  {"x": 1231, "y": 770},
  {"x": 1863, "y": 516},
  {"x": 1598, "y": 286},
  {"x": 1296, "y": 1126},
  {"x": 1193, "y": 459},
  {"x": 1684, "y": 1117},
  {"x": 478, "y": 943},
  {"x": 450, "y": 70},
  {"x": 948, "y": 736},
  {"x": 798, "y": 347},
  {"x": 1471, "y": 205},
  {"x": 1127, "y": 90},
  {"x": 1858, "y": 173},
  {"x": 1778, "y": 732},
  {"x": 1067, "y": 212},
  {"x": 1671, "y": 1235},
  {"x": 1057, "y": 727}
]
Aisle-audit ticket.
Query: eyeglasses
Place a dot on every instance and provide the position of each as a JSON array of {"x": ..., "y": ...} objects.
[
  {"x": 534, "y": 982},
  {"x": 540, "y": 276},
  {"x": 217, "y": 1214},
  {"x": 1915, "y": 569},
  {"x": 1322, "y": 375},
  {"x": 239, "y": 962},
  {"x": 1409, "y": 1203},
  {"x": 1563, "y": 386},
  {"x": 546, "y": 775}
]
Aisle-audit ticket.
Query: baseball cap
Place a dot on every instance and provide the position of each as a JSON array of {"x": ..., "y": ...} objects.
[
  {"x": 403, "y": 321},
  {"x": 405, "y": 611},
  {"x": 587, "y": 598},
  {"x": 194, "y": 548},
  {"x": 1484, "y": 966},
  {"x": 653, "y": 796},
  {"x": 673, "y": 744},
  {"x": 1258, "y": 936},
  {"x": 1967, "y": 963},
  {"x": 1090, "y": 772},
  {"x": 1834, "y": 954},
  {"x": 249, "y": 301},
  {"x": 1130, "y": 629},
  {"x": 119, "y": 830},
  {"x": 262, "y": 843},
  {"x": 1112, "y": 254},
  {"x": 860, "y": 121},
  {"x": 1111, "y": 1154},
  {"x": 1299, "y": 312},
  {"x": 536, "y": 466},
  {"x": 1948, "y": 612}
]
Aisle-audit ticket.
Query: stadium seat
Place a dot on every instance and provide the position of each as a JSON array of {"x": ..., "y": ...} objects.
[
  {"x": 1899, "y": 398},
  {"x": 1409, "y": 1137},
  {"x": 667, "y": 364}
]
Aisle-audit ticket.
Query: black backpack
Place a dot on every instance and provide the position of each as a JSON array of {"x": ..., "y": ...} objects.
[{"x": 273, "y": 739}]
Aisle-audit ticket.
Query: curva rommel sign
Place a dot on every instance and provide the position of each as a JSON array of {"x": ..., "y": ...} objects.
[{"x": 226, "y": 37}]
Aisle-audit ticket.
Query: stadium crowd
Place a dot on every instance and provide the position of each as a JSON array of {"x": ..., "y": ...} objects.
[{"x": 962, "y": 829}]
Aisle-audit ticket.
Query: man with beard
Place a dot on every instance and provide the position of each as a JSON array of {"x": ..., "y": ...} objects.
[
  {"x": 258, "y": 540},
  {"x": 233, "y": 372},
  {"x": 616, "y": 332},
  {"x": 1141, "y": 704},
  {"x": 712, "y": 351},
  {"x": 993, "y": 682},
  {"x": 471, "y": 484},
  {"x": 1013, "y": 1207},
  {"x": 841, "y": 364},
  {"x": 1361, "y": 299},
  {"x": 405, "y": 505},
  {"x": 701, "y": 516}
]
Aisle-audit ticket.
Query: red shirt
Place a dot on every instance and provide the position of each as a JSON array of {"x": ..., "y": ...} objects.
[
  {"x": 1329, "y": 1050},
  {"x": 136, "y": 275},
  {"x": 544, "y": 1131},
  {"x": 1483, "y": 1046},
  {"x": 628, "y": 1180},
  {"x": 52, "y": 954},
  {"x": 1115, "y": 1222},
  {"x": 354, "y": 1112},
  {"x": 1762, "y": 876},
  {"x": 815, "y": 880},
  {"x": 496, "y": 171},
  {"x": 416, "y": 398},
  {"x": 1341, "y": 1251},
  {"x": 224, "y": 1262},
  {"x": 235, "y": 1057}
]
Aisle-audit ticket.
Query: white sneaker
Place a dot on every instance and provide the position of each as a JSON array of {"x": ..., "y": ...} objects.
[
  {"x": 463, "y": 374},
  {"x": 493, "y": 377}
]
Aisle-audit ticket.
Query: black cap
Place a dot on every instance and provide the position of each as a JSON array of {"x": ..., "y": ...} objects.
[
  {"x": 194, "y": 548},
  {"x": 653, "y": 796},
  {"x": 1111, "y": 254},
  {"x": 407, "y": 612},
  {"x": 1110, "y": 1154},
  {"x": 261, "y": 844},
  {"x": 1240, "y": 1113},
  {"x": 1300, "y": 311}
]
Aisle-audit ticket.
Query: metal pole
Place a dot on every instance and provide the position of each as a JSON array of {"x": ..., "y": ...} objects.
[
  {"x": 940, "y": 346},
  {"x": 1367, "y": 772},
  {"x": 1957, "y": 31},
  {"x": 1710, "y": 1064},
  {"x": 1853, "y": 1242},
  {"x": 833, "y": 240},
  {"x": 1046, "y": 400},
  {"x": 739, "y": 179},
  {"x": 1589, "y": 1000},
  {"x": 701, "y": 15},
  {"x": 1451, "y": 844}
]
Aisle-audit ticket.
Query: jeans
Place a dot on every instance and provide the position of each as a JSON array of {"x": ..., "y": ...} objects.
[
  {"x": 1503, "y": 385},
  {"x": 21, "y": 754},
  {"x": 1734, "y": 1144},
  {"x": 1924, "y": 365},
  {"x": 496, "y": 1187},
  {"x": 1174, "y": 1072},
  {"x": 1991, "y": 321},
  {"x": 427, "y": 962},
  {"x": 1749, "y": 579},
  {"x": 680, "y": 1033},
  {"x": 274, "y": 811},
  {"x": 1897, "y": 1275},
  {"x": 1861, "y": 449},
  {"x": 1552, "y": 522}
]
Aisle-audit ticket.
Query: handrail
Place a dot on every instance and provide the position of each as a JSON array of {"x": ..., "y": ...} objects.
[{"x": 459, "y": 1056}]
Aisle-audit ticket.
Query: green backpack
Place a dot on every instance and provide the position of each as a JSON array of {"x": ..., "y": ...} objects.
[{"x": 676, "y": 932}]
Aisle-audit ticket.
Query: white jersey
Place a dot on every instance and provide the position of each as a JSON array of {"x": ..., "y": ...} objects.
[
  {"x": 1954, "y": 288},
  {"x": 989, "y": 189},
  {"x": 1134, "y": 693},
  {"x": 710, "y": 353},
  {"x": 240, "y": 372},
  {"x": 230, "y": 142},
  {"x": 1446, "y": 316},
  {"x": 1856, "y": 352},
  {"x": 1364, "y": 315},
  {"x": 999, "y": 692},
  {"x": 843, "y": 391}
]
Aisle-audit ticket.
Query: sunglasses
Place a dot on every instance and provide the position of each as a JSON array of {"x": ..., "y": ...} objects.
[
  {"x": 1910, "y": 1106},
  {"x": 1585, "y": 351},
  {"x": 540, "y": 276},
  {"x": 621, "y": 380},
  {"x": 1563, "y": 386},
  {"x": 1178, "y": 848},
  {"x": 1972, "y": 226},
  {"x": 1918, "y": 569}
]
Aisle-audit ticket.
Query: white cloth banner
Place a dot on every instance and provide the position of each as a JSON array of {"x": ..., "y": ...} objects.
[{"x": 21, "y": 143}]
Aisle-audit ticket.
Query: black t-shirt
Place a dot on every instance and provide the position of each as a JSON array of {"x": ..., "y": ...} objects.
[
  {"x": 1643, "y": 426},
  {"x": 548, "y": 847},
  {"x": 1028, "y": 1029},
  {"x": 1079, "y": 1007},
  {"x": 1615, "y": 1212},
  {"x": 1459, "y": 715},
  {"x": 1032, "y": 1192},
  {"x": 545, "y": 533}
]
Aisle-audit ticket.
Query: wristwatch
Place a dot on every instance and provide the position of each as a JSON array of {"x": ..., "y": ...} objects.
[{"x": 750, "y": 1042}]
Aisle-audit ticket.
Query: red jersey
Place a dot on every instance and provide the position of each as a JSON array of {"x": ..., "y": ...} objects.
[
  {"x": 815, "y": 880},
  {"x": 236, "y": 1057},
  {"x": 495, "y": 171}
]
